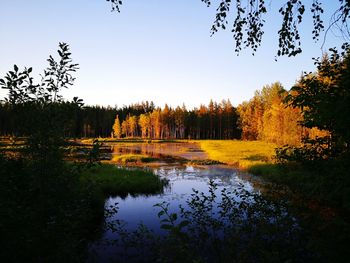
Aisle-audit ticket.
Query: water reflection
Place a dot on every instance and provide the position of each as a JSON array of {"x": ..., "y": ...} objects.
[
  {"x": 182, "y": 180},
  {"x": 189, "y": 151}
]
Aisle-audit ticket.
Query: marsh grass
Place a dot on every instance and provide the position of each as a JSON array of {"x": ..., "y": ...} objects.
[
  {"x": 113, "y": 180},
  {"x": 243, "y": 154}
]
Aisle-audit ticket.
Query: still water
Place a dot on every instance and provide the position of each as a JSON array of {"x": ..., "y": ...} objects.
[
  {"x": 184, "y": 150},
  {"x": 134, "y": 210}
]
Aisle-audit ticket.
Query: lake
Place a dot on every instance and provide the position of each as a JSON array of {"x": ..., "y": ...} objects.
[{"x": 183, "y": 178}]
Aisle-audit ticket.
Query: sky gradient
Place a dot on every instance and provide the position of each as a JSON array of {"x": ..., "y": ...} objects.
[{"x": 153, "y": 50}]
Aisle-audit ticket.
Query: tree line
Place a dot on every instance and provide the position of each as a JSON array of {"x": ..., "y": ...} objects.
[
  {"x": 267, "y": 116},
  {"x": 215, "y": 121},
  {"x": 80, "y": 121}
]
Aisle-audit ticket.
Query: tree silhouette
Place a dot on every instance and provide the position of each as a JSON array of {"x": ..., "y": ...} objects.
[
  {"x": 248, "y": 18},
  {"x": 324, "y": 99},
  {"x": 39, "y": 109}
]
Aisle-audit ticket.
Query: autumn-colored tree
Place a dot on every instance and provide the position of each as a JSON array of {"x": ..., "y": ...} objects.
[
  {"x": 117, "y": 129},
  {"x": 156, "y": 124},
  {"x": 267, "y": 117},
  {"x": 145, "y": 125},
  {"x": 250, "y": 118},
  {"x": 133, "y": 126},
  {"x": 126, "y": 127}
]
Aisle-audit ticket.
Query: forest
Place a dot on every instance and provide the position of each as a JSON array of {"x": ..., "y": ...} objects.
[
  {"x": 217, "y": 121},
  {"x": 267, "y": 117}
]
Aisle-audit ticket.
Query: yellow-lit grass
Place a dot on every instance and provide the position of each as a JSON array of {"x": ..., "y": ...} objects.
[{"x": 243, "y": 154}]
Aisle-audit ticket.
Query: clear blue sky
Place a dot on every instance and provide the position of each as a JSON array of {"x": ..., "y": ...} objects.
[{"x": 158, "y": 50}]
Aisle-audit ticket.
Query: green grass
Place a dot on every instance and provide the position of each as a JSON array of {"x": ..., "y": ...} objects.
[
  {"x": 112, "y": 180},
  {"x": 243, "y": 154},
  {"x": 324, "y": 182}
]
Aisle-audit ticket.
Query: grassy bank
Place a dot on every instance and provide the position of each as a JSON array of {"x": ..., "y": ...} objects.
[
  {"x": 112, "y": 181},
  {"x": 324, "y": 181},
  {"x": 243, "y": 154}
]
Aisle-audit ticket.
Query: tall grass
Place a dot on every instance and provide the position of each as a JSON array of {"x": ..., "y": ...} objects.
[
  {"x": 112, "y": 180},
  {"x": 243, "y": 154}
]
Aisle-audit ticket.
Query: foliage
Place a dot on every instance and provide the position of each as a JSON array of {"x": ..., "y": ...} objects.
[
  {"x": 94, "y": 154},
  {"x": 57, "y": 76},
  {"x": 324, "y": 99},
  {"x": 322, "y": 161},
  {"x": 51, "y": 209},
  {"x": 39, "y": 109},
  {"x": 266, "y": 117},
  {"x": 117, "y": 130},
  {"x": 249, "y": 19},
  {"x": 45, "y": 218}
]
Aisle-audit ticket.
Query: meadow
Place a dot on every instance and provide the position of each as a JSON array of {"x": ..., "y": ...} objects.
[{"x": 243, "y": 154}]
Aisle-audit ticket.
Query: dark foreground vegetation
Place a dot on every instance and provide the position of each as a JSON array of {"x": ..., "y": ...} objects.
[
  {"x": 53, "y": 214},
  {"x": 50, "y": 209}
]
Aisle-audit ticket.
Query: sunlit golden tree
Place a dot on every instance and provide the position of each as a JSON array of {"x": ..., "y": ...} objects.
[{"x": 117, "y": 129}]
